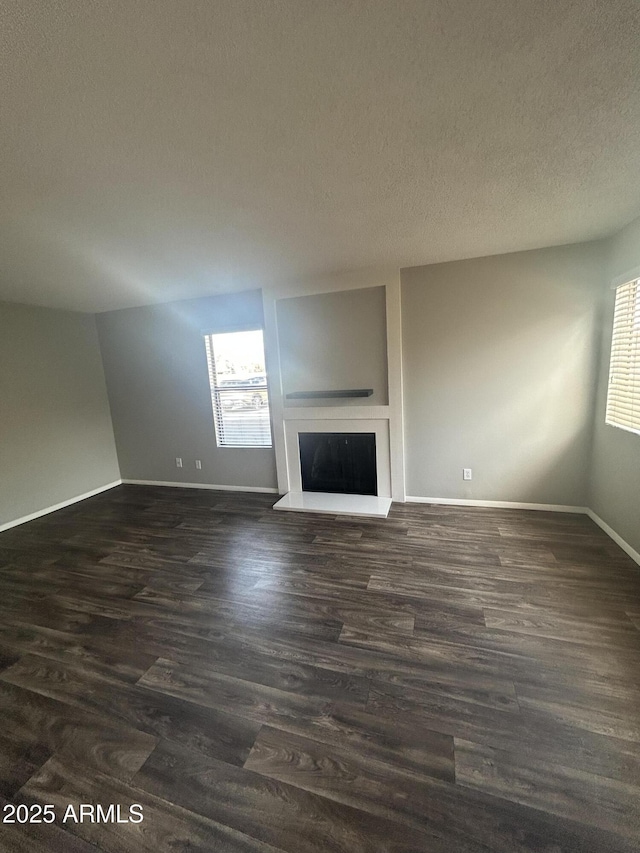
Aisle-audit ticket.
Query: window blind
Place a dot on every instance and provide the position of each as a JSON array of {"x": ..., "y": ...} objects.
[
  {"x": 623, "y": 398},
  {"x": 239, "y": 393}
]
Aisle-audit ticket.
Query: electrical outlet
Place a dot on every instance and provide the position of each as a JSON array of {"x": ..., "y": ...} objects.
[
  {"x": 178, "y": 461},
  {"x": 199, "y": 464},
  {"x": 466, "y": 473}
]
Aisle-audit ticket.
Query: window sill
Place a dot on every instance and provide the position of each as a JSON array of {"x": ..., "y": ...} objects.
[{"x": 623, "y": 428}]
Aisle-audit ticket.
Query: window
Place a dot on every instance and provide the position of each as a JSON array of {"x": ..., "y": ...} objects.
[
  {"x": 238, "y": 382},
  {"x": 623, "y": 399}
]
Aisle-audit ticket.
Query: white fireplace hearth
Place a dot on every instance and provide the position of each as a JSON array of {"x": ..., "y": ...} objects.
[{"x": 335, "y": 504}]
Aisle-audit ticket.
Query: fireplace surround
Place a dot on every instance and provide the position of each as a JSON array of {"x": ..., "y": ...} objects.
[{"x": 299, "y": 423}]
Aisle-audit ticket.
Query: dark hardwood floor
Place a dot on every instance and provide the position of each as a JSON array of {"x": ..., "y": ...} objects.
[{"x": 447, "y": 680}]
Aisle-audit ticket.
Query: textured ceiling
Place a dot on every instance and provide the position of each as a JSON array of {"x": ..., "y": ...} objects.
[{"x": 161, "y": 150}]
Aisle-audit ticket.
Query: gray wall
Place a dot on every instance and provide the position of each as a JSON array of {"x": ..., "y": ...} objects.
[
  {"x": 334, "y": 341},
  {"x": 155, "y": 365},
  {"x": 56, "y": 440},
  {"x": 615, "y": 473},
  {"x": 499, "y": 360}
]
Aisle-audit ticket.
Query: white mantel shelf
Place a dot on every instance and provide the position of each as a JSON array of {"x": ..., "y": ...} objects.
[{"x": 335, "y": 504}]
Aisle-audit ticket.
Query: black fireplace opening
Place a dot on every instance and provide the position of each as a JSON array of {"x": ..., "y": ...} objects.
[{"x": 343, "y": 462}]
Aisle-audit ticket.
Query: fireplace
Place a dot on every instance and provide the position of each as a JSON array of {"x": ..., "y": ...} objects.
[
  {"x": 338, "y": 462},
  {"x": 337, "y": 465}
]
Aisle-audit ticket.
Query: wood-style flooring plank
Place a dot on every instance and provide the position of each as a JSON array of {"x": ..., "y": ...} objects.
[
  {"x": 165, "y": 826},
  {"x": 42, "y": 724},
  {"x": 284, "y": 815},
  {"x": 429, "y": 751},
  {"x": 227, "y": 735},
  {"x": 38, "y": 837},
  {"x": 464, "y": 817},
  {"x": 584, "y": 797}
]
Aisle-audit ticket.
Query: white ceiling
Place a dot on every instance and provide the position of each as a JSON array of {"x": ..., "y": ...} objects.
[{"x": 156, "y": 150}]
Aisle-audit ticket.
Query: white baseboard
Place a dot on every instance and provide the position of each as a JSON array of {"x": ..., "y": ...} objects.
[
  {"x": 62, "y": 505},
  {"x": 613, "y": 535},
  {"x": 582, "y": 510},
  {"x": 261, "y": 489}
]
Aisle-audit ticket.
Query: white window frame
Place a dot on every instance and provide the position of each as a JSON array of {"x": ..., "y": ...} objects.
[
  {"x": 247, "y": 388},
  {"x": 623, "y": 391}
]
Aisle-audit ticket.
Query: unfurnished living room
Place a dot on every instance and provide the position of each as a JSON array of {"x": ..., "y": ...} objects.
[{"x": 320, "y": 426}]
